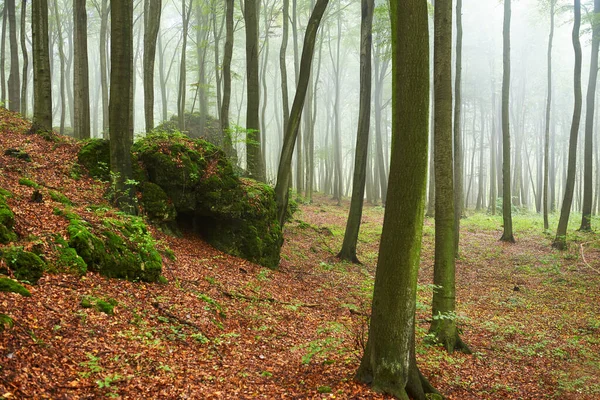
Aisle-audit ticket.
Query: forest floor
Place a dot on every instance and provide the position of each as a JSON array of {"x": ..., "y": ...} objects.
[{"x": 225, "y": 328}]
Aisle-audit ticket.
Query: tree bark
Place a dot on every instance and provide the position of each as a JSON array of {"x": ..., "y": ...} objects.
[
  {"x": 348, "y": 251},
  {"x": 458, "y": 150},
  {"x": 507, "y": 235},
  {"x": 3, "y": 57},
  {"x": 388, "y": 364},
  {"x": 14, "y": 81},
  {"x": 227, "y": 56},
  {"x": 61, "y": 53},
  {"x": 254, "y": 158},
  {"x": 121, "y": 48},
  {"x": 588, "y": 168},
  {"x": 545, "y": 202},
  {"x": 182, "y": 66},
  {"x": 152, "y": 12},
  {"x": 25, "y": 57},
  {"x": 42, "y": 84},
  {"x": 81, "y": 84},
  {"x": 104, "y": 13},
  {"x": 285, "y": 160}
]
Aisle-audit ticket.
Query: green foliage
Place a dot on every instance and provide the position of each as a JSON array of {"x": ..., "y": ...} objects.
[
  {"x": 103, "y": 305},
  {"x": 28, "y": 182},
  {"x": 11, "y": 286},
  {"x": 60, "y": 198},
  {"x": 95, "y": 157},
  {"x": 7, "y": 219},
  {"x": 26, "y": 266},
  {"x": 68, "y": 259}
]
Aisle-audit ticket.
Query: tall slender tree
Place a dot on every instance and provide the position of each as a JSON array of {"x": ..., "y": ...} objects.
[
  {"x": 42, "y": 84},
  {"x": 227, "y": 56},
  {"x": 507, "y": 235},
  {"x": 444, "y": 327},
  {"x": 14, "y": 81},
  {"x": 253, "y": 148},
  {"x": 25, "y": 57},
  {"x": 388, "y": 363},
  {"x": 545, "y": 202},
  {"x": 458, "y": 148},
  {"x": 121, "y": 70},
  {"x": 560, "y": 241},
  {"x": 186, "y": 13},
  {"x": 285, "y": 160},
  {"x": 588, "y": 183},
  {"x": 81, "y": 84},
  {"x": 348, "y": 251},
  {"x": 61, "y": 54},
  {"x": 152, "y": 12}
]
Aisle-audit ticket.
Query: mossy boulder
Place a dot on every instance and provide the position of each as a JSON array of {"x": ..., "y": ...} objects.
[
  {"x": 25, "y": 266},
  {"x": 156, "y": 204},
  {"x": 211, "y": 131},
  {"x": 235, "y": 215},
  {"x": 7, "y": 220},
  {"x": 95, "y": 156},
  {"x": 11, "y": 286},
  {"x": 120, "y": 248},
  {"x": 68, "y": 260}
]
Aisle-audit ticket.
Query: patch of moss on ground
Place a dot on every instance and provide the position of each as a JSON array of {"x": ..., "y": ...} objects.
[
  {"x": 26, "y": 266},
  {"x": 120, "y": 248},
  {"x": 28, "y": 182},
  {"x": 59, "y": 198},
  {"x": 11, "y": 286},
  {"x": 7, "y": 219},
  {"x": 68, "y": 260},
  {"x": 156, "y": 204},
  {"x": 106, "y": 306}
]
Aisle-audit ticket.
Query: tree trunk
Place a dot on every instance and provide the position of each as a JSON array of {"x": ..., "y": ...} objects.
[
  {"x": 254, "y": 158},
  {"x": 227, "y": 56},
  {"x": 458, "y": 151},
  {"x": 152, "y": 11},
  {"x": 25, "y": 58},
  {"x": 81, "y": 130},
  {"x": 480, "y": 189},
  {"x": 388, "y": 364},
  {"x": 201, "y": 35},
  {"x": 3, "y": 57},
  {"x": 443, "y": 325},
  {"x": 61, "y": 51},
  {"x": 185, "y": 15},
  {"x": 285, "y": 161},
  {"x": 507, "y": 235},
  {"x": 104, "y": 13},
  {"x": 348, "y": 251},
  {"x": 121, "y": 48},
  {"x": 283, "y": 64},
  {"x": 560, "y": 241},
  {"x": 14, "y": 81},
  {"x": 588, "y": 183},
  {"x": 42, "y": 84}
]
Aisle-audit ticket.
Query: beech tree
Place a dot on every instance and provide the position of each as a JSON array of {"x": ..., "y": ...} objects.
[
  {"x": 152, "y": 11},
  {"x": 348, "y": 251},
  {"x": 14, "y": 81},
  {"x": 560, "y": 241},
  {"x": 545, "y": 202},
  {"x": 42, "y": 85},
  {"x": 81, "y": 85},
  {"x": 388, "y": 363}
]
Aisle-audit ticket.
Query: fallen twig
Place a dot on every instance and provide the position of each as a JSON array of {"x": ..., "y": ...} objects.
[{"x": 583, "y": 256}]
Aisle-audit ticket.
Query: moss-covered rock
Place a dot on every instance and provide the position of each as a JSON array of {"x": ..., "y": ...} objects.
[
  {"x": 120, "y": 249},
  {"x": 95, "y": 156},
  {"x": 156, "y": 204},
  {"x": 211, "y": 131},
  {"x": 68, "y": 259},
  {"x": 26, "y": 266},
  {"x": 235, "y": 215},
  {"x": 11, "y": 286},
  {"x": 7, "y": 220}
]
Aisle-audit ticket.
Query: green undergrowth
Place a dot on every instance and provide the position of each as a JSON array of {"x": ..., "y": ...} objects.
[{"x": 7, "y": 219}]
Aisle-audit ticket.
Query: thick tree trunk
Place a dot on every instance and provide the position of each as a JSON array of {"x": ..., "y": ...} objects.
[
  {"x": 388, "y": 363},
  {"x": 560, "y": 241},
  {"x": 81, "y": 130},
  {"x": 254, "y": 158},
  {"x": 348, "y": 251},
  {"x": 121, "y": 48},
  {"x": 285, "y": 160},
  {"x": 588, "y": 183},
  {"x": 507, "y": 235},
  {"x": 42, "y": 85},
  {"x": 152, "y": 11}
]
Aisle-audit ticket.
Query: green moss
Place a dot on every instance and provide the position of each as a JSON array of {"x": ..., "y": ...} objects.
[
  {"x": 121, "y": 249},
  {"x": 19, "y": 154},
  {"x": 7, "y": 220},
  {"x": 68, "y": 259},
  {"x": 106, "y": 306},
  {"x": 8, "y": 285},
  {"x": 28, "y": 182},
  {"x": 5, "y": 193},
  {"x": 156, "y": 204},
  {"x": 95, "y": 157},
  {"x": 60, "y": 198},
  {"x": 26, "y": 266}
]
